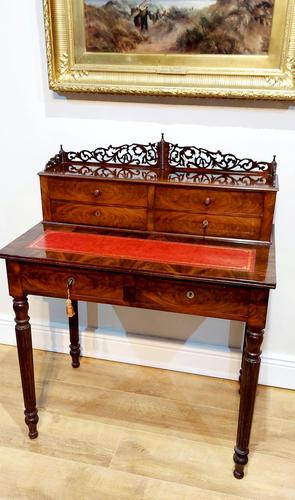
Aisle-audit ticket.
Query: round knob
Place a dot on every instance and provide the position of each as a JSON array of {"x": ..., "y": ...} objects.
[
  {"x": 96, "y": 192},
  {"x": 207, "y": 201},
  {"x": 205, "y": 224},
  {"x": 97, "y": 213},
  {"x": 190, "y": 294}
]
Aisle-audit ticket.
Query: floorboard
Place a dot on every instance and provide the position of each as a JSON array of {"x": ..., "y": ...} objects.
[{"x": 117, "y": 431}]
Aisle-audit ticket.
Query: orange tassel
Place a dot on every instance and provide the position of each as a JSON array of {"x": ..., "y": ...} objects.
[{"x": 69, "y": 308}]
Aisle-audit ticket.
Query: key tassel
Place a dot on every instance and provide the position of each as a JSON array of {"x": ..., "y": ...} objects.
[{"x": 69, "y": 306}]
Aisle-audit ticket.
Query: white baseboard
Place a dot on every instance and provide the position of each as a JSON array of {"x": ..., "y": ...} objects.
[{"x": 158, "y": 353}]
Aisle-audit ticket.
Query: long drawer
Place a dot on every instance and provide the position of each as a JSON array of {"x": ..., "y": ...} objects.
[
  {"x": 105, "y": 193},
  {"x": 207, "y": 225},
  {"x": 153, "y": 293},
  {"x": 208, "y": 201},
  {"x": 79, "y": 213}
]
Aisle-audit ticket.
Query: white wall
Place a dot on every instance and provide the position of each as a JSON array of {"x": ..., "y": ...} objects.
[{"x": 34, "y": 121}]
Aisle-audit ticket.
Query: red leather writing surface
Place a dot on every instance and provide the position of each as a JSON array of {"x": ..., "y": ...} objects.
[{"x": 149, "y": 250}]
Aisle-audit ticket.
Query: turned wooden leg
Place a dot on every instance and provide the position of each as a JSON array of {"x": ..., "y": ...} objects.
[
  {"x": 243, "y": 352},
  {"x": 25, "y": 356},
  {"x": 74, "y": 336},
  {"x": 250, "y": 367}
]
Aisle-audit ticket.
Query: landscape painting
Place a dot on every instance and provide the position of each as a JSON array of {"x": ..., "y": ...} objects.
[{"x": 240, "y": 27}]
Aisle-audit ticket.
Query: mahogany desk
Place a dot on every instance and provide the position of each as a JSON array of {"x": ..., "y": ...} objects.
[{"x": 112, "y": 261}]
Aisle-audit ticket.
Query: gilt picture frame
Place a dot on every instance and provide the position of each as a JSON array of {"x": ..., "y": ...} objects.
[{"x": 210, "y": 48}]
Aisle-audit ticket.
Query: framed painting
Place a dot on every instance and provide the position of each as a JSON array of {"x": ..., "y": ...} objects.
[{"x": 201, "y": 48}]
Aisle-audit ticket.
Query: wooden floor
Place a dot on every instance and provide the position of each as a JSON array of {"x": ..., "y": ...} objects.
[{"x": 115, "y": 431}]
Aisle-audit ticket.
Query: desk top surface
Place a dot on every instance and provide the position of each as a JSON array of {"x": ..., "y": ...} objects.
[{"x": 148, "y": 254}]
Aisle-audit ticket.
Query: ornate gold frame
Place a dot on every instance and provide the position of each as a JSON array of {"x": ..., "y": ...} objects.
[{"x": 72, "y": 69}]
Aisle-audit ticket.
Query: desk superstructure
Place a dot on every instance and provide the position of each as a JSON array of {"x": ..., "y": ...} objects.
[{"x": 158, "y": 226}]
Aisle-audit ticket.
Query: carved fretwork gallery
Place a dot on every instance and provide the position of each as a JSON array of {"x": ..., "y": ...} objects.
[{"x": 156, "y": 226}]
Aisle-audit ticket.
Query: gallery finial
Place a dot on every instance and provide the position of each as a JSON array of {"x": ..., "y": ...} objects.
[{"x": 62, "y": 153}]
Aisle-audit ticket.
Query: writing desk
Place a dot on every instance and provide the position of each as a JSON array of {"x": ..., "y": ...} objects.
[{"x": 126, "y": 258}]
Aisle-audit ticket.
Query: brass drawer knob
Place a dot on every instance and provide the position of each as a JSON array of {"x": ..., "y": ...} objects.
[
  {"x": 205, "y": 224},
  {"x": 97, "y": 213},
  {"x": 96, "y": 192},
  {"x": 207, "y": 201},
  {"x": 190, "y": 294}
]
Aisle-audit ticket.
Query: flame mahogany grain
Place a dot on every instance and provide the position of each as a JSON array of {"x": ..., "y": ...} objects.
[{"x": 172, "y": 196}]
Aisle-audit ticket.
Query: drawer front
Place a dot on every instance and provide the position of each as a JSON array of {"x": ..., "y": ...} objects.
[
  {"x": 209, "y": 201},
  {"x": 154, "y": 293},
  {"x": 208, "y": 225},
  {"x": 105, "y": 193},
  {"x": 78, "y": 213},
  {"x": 52, "y": 281},
  {"x": 205, "y": 300}
]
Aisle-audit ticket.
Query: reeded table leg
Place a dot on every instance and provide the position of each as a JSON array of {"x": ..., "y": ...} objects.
[
  {"x": 25, "y": 356},
  {"x": 250, "y": 372},
  {"x": 244, "y": 347},
  {"x": 74, "y": 336}
]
